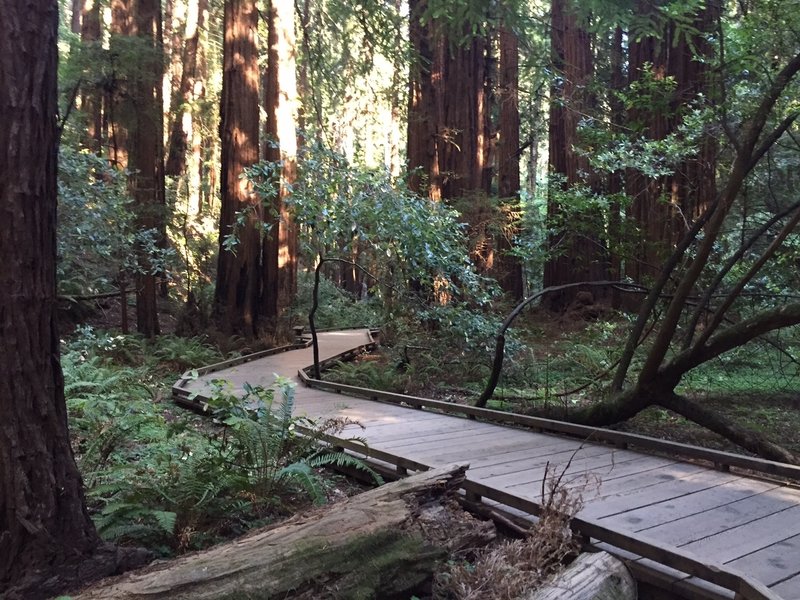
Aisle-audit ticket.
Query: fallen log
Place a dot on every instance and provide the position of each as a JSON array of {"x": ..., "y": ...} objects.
[
  {"x": 597, "y": 576},
  {"x": 376, "y": 544}
]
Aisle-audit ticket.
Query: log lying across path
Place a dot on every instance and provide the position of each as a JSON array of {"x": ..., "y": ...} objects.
[{"x": 387, "y": 540}]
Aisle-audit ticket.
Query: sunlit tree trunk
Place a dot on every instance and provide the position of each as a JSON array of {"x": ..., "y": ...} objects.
[
  {"x": 238, "y": 271},
  {"x": 92, "y": 98},
  {"x": 577, "y": 254},
  {"x": 508, "y": 268},
  {"x": 280, "y": 247},
  {"x": 181, "y": 131}
]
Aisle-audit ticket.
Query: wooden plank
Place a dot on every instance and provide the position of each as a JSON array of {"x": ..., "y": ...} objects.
[
  {"x": 777, "y": 562},
  {"x": 693, "y": 503},
  {"x": 580, "y": 466},
  {"x": 528, "y": 460},
  {"x": 708, "y": 524},
  {"x": 744, "y": 539},
  {"x": 655, "y": 494},
  {"x": 611, "y": 485},
  {"x": 789, "y": 588},
  {"x": 465, "y": 445}
]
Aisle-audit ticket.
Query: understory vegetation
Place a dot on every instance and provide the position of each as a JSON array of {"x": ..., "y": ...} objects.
[{"x": 161, "y": 477}]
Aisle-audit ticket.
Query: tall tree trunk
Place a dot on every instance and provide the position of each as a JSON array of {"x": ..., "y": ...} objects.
[
  {"x": 280, "y": 247},
  {"x": 577, "y": 252},
  {"x": 692, "y": 187},
  {"x": 423, "y": 165},
  {"x": 508, "y": 268},
  {"x": 146, "y": 159},
  {"x": 92, "y": 97},
  {"x": 238, "y": 272},
  {"x": 116, "y": 101},
  {"x": 46, "y": 535},
  {"x": 181, "y": 131}
]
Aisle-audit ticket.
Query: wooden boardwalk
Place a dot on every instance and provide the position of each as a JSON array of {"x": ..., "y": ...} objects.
[{"x": 742, "y": 531}]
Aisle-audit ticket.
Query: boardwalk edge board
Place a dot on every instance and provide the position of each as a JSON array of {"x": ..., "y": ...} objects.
[{"x": 743, "y": 586}]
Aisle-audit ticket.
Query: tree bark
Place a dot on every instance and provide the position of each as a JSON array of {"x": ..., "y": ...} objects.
[
  {"x": 92, "y": 97},
  {"x": 47, "y": 538},
  {"x": 146, "y": 157},
  {"x": 507, "y": 268},
  {"x": 577, "y": 252},
  {"x": 371, "y": 545},
  {"x": 238, "y": 271},
  {"x": 280, "y": 246}
]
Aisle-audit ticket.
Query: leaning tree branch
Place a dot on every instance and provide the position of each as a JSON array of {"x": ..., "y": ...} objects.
[
  {"x": 654, "y": 295},
  {"x": 732, "y": 337},
  {"x": 776, "y": 243},
  {"x": 315, "y": 302},
  {"x": 742, "y": 165},
  {"x": 748, "y": 439},
  {"x": 771, "y": 138},
  {"x": 500, "y": 343},
  {"x": 729, "y": 264}
]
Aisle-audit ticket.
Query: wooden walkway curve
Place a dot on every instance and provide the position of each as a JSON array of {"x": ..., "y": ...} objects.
[{"x": 691, "y": 529}]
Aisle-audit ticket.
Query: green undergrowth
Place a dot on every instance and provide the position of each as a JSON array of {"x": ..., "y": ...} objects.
[{"x": 161, "y": 477}]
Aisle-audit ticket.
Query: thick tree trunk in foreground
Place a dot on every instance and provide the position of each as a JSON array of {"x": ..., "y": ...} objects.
[
  {"x": 373, "y": 543},
  {"x": 597, "y": 576},
  {"x": 46, "y": 536}
]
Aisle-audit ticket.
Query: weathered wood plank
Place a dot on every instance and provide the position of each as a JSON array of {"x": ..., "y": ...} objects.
[
  {"x": 706, "y": 525},
  {"x": 655, "y": 494},
  {"x": 693, "y": 503},
  {"x": 750, "y": 537},
  {"x": 777, "y": 562},
  {"x": 789, "y": 588}
]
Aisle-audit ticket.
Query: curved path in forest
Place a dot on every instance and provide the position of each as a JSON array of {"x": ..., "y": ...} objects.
[{"x": 683, "y": 524}]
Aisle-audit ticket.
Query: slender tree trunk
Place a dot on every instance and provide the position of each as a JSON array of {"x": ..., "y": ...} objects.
[
  {"x": 116, "y": 101},
  {"x": 181, "y": 131},
  {"x": 48, "y": 540},
  {"x": 238, "y": 271},
  {"x": 280, "y": 247},
  {"x": 92, "y": 98}
]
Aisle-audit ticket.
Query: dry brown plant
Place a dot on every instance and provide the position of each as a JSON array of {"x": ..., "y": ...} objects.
[{"x": 512, "y": 568}]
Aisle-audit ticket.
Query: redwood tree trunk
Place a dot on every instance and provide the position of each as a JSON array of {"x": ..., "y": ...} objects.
[
  {"x": 578, "y": 254},
  {"x": 238, "y": 271},
  {"x": 43, "y": 523},
  {"x": 692, "y": 187},
  {"x": 508, "y": 269},
  {"x": 280, "y": 247},
  {"x": 91, "y": 99},
  {"x": 146, "y": 159}
]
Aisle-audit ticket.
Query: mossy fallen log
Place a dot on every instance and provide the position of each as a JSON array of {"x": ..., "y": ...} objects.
[{"x": 374, "y": 545}]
